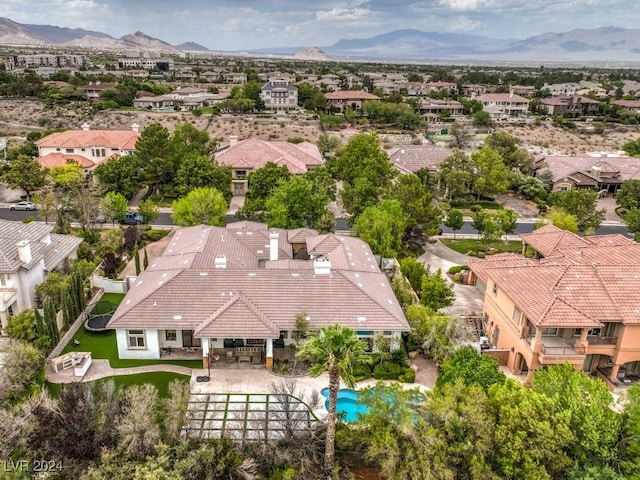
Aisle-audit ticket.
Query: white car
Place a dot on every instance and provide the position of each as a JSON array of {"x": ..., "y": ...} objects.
[{"x": 23, "y": 206}]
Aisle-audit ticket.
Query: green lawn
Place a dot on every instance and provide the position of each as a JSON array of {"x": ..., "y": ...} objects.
[
  {"x": 467, "y": 245},
  {"x": 103, "y": 345},
  {"x": 160, "y": 379}
]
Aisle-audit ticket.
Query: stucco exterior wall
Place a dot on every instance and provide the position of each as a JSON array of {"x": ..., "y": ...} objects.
[{"x": 150, "y": 352}]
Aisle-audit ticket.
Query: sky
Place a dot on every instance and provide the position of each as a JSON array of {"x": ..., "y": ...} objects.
[{"x": 233, "y": 25}]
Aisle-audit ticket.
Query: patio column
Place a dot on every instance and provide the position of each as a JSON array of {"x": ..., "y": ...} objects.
[
  {"x": 582, "y": 342},
  {"x": 613, "y": 376},
  {"x": 396, "y": 341},
  {"x": 537, "y": 341},
  {"x": 269, "y": 354},
  {"x": 205, "y": 353}
]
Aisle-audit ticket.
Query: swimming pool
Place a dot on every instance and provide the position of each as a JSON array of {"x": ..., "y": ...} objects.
[{"x": 348, "y": 404}]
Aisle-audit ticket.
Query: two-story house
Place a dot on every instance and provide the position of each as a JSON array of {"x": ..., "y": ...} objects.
[
  {"x": 354, "y": 99},
  {"x": 503, "y": 105},
  {"x": 86, "y": 147},
  {"x": 279, "y": 96},
  {"x": 216, "y": 288},
  {"x": 28, "y": 252},
  {"x": 576, "y": 302},
  {"x": 247, "y": 155},
  {"x": 572, "y": 106}
]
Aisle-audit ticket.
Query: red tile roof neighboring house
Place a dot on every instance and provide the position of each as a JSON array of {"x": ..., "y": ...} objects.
[
  {"x": 254, "y": 153},
  {"x": 121, "y": 139},
  {"x": 59, "y": 159},
  {"x": 411, "y": 158},
  {"x": 585, "y": 282},
  {"x": 350, "y": 95}
]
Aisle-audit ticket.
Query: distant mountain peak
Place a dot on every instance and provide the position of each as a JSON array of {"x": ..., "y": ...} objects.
[
  {"x": 192, "y": 47},
  {"x": 312, "y": 53}
]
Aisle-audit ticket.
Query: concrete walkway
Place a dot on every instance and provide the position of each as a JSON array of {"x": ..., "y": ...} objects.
[{"x": 101, "y": 368}]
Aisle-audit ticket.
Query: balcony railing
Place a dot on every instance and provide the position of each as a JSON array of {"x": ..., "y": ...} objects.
[
  {"x": 597, "y": 340},
  {"x": 566, "y": 350}
]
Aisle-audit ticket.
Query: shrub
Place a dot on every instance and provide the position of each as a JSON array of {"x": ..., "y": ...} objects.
[
  {"x": 28, "y": 219},
  {"x": 457, "y": 278},
  {"x": 464, "y": 267},
  {"x": 374, "y": 359},
  {"x": 361, "y": 372},
  {"x": 90, "y": 235},
  {"x": 472, "y": 253},
  {"x": 407, "y": 376},
  {"x": 455, "y": 269},
  {"x": 155, "y": 235},
  {"x": 387, "y": 371},
  {"x": 481, "y": 255},
  {"x": 399, "y": 356}
]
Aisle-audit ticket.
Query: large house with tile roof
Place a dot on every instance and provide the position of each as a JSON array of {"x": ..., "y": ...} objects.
[
  {"x": 572, "y": 106},
  {"x": 348, "y": 99},
  {"x": 412, "y": 158},
  {"x": 603, "y": 173},
  {"x": 503, "y": 105},
  {"x": 253, "y": 153},
  {"x": 86, "y": 147},
  {"x": 28, "y": 252},
  {"x": 218, "y": 287},
  {"x": 576, "y": 301}
]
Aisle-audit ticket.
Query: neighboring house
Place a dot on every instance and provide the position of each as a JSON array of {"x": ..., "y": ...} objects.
[
  {"x": 253, "y": 153},
  {"x": 28, "y": 252},
  {"x": 441, "y": 87},
  {"x": 632, "y": 106},
  {"x": 163, "y": 64},
  {"x": 576, "y": 303},
  {"x": 569, "y": 106},
  {"x": 354, "y": 99},
  {"x": 86, "y": 147},
  {"x": 236, "y": 77},
  {"x": 279, "y": 96},
  {"x": 526, "y": 90},
  {"x": 502, "y": 105},
  {"x": 434, "y": 109},
  {"x": 216, "y": 288},
  {"x": 411, "y": 158},
  {"x": 605, "y": 174},
  {"x": 473, "y": 89},
  {"x": 94, "y": 89}
]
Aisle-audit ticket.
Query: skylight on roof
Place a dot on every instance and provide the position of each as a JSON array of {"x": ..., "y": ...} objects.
[
  {"x": 362, "y": 319},
  {"x": 177, "y": 317}
]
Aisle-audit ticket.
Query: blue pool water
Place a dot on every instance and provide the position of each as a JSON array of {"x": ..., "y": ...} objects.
[{"x": 348, "y": 404}]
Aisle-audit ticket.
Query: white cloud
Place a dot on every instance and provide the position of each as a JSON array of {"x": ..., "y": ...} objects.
[
  {"x": 464, "y": 5},
  {"x": 342, "y": 14},
  {"x": 464, "y": 24}
]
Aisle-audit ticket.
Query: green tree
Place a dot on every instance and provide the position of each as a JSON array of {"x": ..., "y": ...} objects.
[
  {"x": 490, "y": 173},
  {"x": 628, "y": 196},
  {"x": 155, "y": 155},
  {"x": 47, "y": 204},
  {"x": 507, "y": 147},
  {"x": 414, "y": 270},
  {"x": 531, "y": 433},
  {"x": 454, "y": 220},
  {"x": 460, "y": 135},
  {"x": 439, "y": 334},
  {"x": 322, "y": 182},
  {"x": 632, "y": 219},
  {"x": 67, "y": 176},
  {"x": 471, "y": 368},
  {"x": 22, "y": 327},
  {"x": 296, "y": 204},
  {"x": 149, "y": 211},
  {"x": 588, "y": 404},
  {"x": 328, "y": 145},
  {"x": 138, "y": 431},
  {"x": 25, "y": 173},
  {"x": 630, "y": 433},
  {"x": 561, "y": 219},
  {"x": 455, "y": 175},
  {"x": 382, "y": 228},
  {"x": 334, "y": 351},
  {"x": 23, "y": 373},
  {"x": 197, "y": 171},
  {"x": 632, "y": 148},
  {"x": 115, "y": 206},
  {"x": 202, "y": 206},
  {"x": 188, "y": 140},
  {"x": 120, "y": 174},
  {"x": 437, "y": 291},
  {"x": 481, "y": 119},
  {"x": 363, "y": 193},
  {"x": 136, "y": 257},
  {"x": 423, "y": 216},
  {"x": 581, "y": 203},
  {"x": 262, "y": 182}
]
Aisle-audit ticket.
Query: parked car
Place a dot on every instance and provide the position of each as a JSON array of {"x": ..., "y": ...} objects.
[
  {"x": 131, "y": 218},
  {"x": 23, "y": 206}
]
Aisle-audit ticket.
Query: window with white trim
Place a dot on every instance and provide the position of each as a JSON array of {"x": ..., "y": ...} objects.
[
  {"x": 136, "y": 338},
  {"x": 170, "y": 335}
]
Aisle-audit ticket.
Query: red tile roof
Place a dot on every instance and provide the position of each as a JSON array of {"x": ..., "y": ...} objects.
[
  {"x": 183, "y": 289},
  {"x": 122, "y": 139},
  {"x": 60, "y": 159},
  {"x": 350, "y": 95},
  {"x": 254, "y": 153},
  {"x": 583, "y": 283}
]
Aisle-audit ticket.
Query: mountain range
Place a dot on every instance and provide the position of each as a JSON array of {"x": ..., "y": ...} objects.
[{"x": 608, "y": 44}]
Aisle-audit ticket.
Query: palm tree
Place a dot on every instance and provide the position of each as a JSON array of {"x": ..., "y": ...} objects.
[{"x": 334, "y": 350}]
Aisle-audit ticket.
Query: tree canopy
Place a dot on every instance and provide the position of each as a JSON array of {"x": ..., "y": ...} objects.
[{"x": 201, "y": 206}]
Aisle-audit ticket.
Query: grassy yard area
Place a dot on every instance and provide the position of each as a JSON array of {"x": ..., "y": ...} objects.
[
  {"x": 467, "y": 245},
  {"x": 103, "y": 307},
  {"x": 161, "y": 380}
]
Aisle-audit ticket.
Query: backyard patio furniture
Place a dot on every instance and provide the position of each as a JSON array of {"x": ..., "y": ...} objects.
[{"x": 230, "y": 357}]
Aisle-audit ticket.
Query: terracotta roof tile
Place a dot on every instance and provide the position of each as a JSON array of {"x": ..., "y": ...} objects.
[{"x": 122, "y": 139}]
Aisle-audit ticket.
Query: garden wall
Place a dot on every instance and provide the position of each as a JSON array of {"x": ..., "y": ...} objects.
[{"x": 108, "y": 285}]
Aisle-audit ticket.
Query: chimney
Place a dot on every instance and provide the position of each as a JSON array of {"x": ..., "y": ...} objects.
[
  {"x": 322, "y": 266},
  {"x": 273, "y": 245},
  {"x": 85, "y": 127},
  {"x": 24, "y": 251},
  {"x": 135, "y": 127},
  {"x": 220, "y": 261},
  {"x": 233, "y": 141},
  {"x": 510, "y": 93}
]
